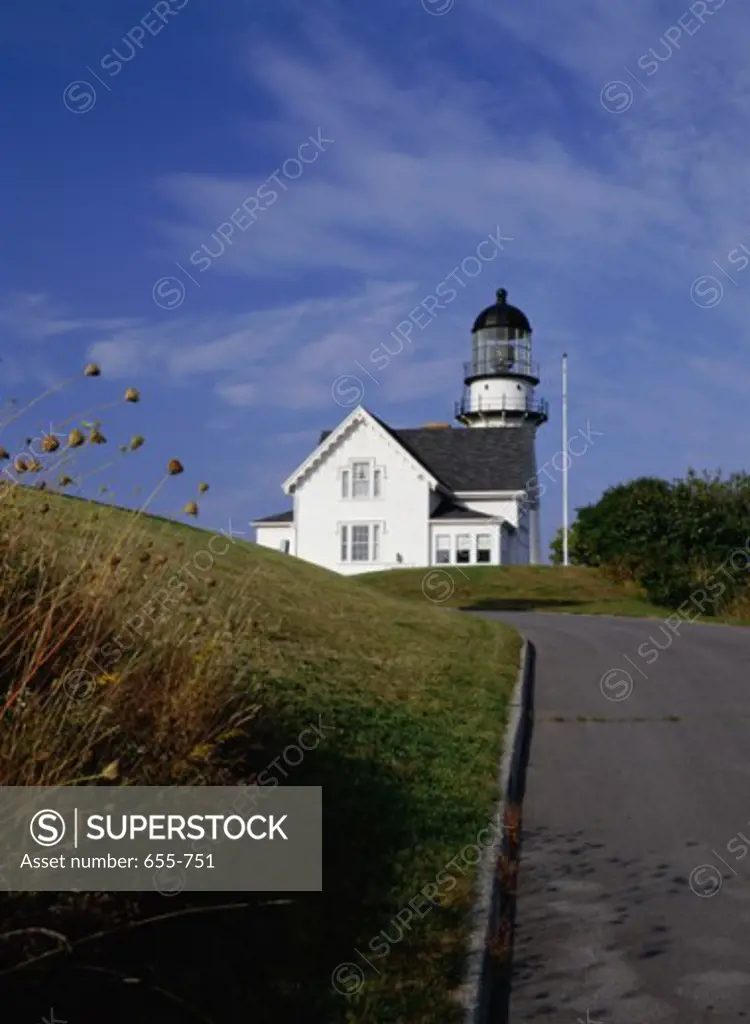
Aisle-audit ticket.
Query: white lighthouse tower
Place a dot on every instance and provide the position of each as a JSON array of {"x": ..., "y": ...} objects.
[{"x": 499, "y": 389}]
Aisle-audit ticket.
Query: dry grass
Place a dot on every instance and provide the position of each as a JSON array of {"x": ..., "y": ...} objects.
[
  {"x": 138, "y": 650},
  {"x": 74, "y": 696},
  {"x": 71, "y": 694}
]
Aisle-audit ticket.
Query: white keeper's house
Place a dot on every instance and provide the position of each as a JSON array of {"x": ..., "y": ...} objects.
[{"x": 371, "y": 496}]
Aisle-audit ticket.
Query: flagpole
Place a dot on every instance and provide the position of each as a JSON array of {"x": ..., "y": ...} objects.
[{"x": 565, "y": 456}]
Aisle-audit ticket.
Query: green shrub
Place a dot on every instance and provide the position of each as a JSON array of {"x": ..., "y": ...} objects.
[{"x": 673, "y": 539}]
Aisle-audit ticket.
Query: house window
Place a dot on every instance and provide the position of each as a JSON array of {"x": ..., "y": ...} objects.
[
  {"x": 361, "y": 480},
  {"x": 463, "y": 548},
  {"x": 360, "y": 543},
  {"x": 484, "y": 547},
  {"x": 442, "y": 548}
]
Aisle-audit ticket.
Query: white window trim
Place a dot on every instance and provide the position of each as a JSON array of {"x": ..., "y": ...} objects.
[
  {"x": 471, "y": 547},
  {"x": 374, "y": 467},
  {"x": 371, "y": 525},
  {"x": 453, "y": 547},
  {"x": 449, "y": 537},
  {"x": 368, "y": 465},
  {"x": 488, "y": 549}
]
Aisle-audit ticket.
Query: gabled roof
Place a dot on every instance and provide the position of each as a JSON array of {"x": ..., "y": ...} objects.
[
  {"x": 470, "y": 458},
  {"x": 448, "y": 509},
  {"x": 328, "y": 439},
  {"x": 278, "y": 517}
]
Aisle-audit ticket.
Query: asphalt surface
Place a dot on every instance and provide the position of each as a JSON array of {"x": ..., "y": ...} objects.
[{"x": 634, "y": 882}]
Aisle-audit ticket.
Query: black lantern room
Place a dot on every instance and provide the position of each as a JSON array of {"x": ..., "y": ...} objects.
[{"x": 501, "y": 343}]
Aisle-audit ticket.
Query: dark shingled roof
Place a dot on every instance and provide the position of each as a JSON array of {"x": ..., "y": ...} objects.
[
  {"x": 470, "y": 458},
  {"x": 448, "y": 509},
  {"x": 278, "y": 517},
  {"x": 474, "y": 459}
]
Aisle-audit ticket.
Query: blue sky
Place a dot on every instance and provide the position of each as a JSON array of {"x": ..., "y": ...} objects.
[{"x": 609, "y": 142}]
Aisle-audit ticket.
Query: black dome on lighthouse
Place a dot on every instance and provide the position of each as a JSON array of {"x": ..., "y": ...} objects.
[{"x": 502, "y": 314}]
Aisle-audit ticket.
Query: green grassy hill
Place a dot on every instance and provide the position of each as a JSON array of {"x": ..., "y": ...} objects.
[
  {"x": 515, "y": 588},
  {"x": 135, "y": 650}
]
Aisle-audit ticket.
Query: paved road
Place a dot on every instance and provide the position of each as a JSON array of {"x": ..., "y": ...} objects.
[{"x": 634, "y": 783}]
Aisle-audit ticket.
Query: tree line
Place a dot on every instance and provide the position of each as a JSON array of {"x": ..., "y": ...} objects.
[{"x": 671, "y": 538}]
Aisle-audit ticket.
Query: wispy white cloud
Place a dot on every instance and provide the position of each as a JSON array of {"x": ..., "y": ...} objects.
[
  {"x": 612, "y": 216},
  {"x": 29, "y": 316},
  {"x": 287, "y": 356},
  {"x": 427, "y": 160},
  {"x": 422, "y": 165}
]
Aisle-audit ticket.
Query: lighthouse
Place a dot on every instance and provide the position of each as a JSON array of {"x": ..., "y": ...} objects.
[
  {"x": 500, "y": 382},
  {"x": 372, "y": 496}
]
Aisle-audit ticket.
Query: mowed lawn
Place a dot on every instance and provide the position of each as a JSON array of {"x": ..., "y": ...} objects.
[
  {"x": 410, "y": 705},
  {"x": 575, "y": 589}
]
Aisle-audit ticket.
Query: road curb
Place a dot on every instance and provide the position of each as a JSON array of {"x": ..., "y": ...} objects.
[{"x": 488, "y": 958}]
